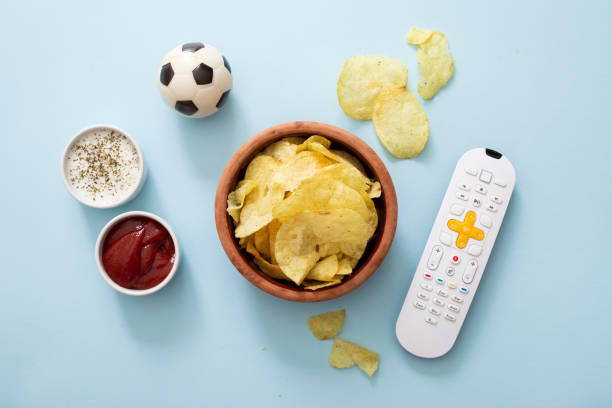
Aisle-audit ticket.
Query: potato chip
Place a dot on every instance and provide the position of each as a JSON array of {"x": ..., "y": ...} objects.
[
  {"x": 283, "y": 150},
  {"x": 362, "y": 78},
  {"x": 347, "y": 174},
  {"x": 344, "y": 266},
  {"x": 324, "y": 270},
  {"x": 375, "y": 190},
  {"x": 326, "y": 325},
  {"x": 273, "y": 227},
  {"x": 314, "y": 139},
  {"x": 304, "y": 165},
  {"x": 324, "y": 193},
  {"x": 235, "y": 199},
  {"x": 314, "y": 285},
  {"x": 298, "y": 238},
  {"x": 345, "y": 354},
  {"x": 348, "y": 158},
  {"x": 400, "y": 123},
  {"x": 273, "y": 271},
  {"x": 261, "y": 239},
  {"x": 436, "y": 64}
]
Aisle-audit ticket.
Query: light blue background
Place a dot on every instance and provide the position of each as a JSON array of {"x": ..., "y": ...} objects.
[{"x": 532, "y": 80}]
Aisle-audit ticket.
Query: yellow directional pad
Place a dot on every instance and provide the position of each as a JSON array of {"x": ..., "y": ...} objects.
[{"x": 466, "y": 229}]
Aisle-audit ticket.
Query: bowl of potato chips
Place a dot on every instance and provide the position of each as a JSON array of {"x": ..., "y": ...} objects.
[{"x": 306, "y": 211}]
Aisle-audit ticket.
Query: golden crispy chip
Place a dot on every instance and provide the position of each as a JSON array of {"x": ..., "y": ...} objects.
[
  {"x": 257, "y": 210},
  {"x": 283, "y": 150},
  {"x": 324, "y": 270},
  {"x": 314, "y": 285},
  {"x": 244, "y": 241},
  {"x": 324, "y": 193},
  {"x": 375, "y": 190},
  {"x": 273, "y": 227},
  {"x": 314, "y": 139},
  {"x": 400, "y": 123},
  {"x": 361, "y": 80},
  {"x": 344, "y": 266},
  {"x": 304, "y": 165},
  {"x": 261, "y": 239},
  {"x": 436, "y": 64},
  {"x": 273, "y": 271},
  {"x": 348, "y": 158},
  {"x": 235, "y": 199},
  {"x": 347, "y": 174},
  {"x": 326, "y": 325},
  {"x": 298, "y": 238},
  {"x": 344, "y": 354}
]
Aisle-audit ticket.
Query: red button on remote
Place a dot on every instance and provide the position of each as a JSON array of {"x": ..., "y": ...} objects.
[{"x": 455, "y": 259}]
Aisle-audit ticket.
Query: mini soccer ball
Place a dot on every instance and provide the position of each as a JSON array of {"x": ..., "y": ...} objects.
[{"x": 195, "y": 79}]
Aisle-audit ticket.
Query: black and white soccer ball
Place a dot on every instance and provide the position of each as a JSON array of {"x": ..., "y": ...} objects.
[{"x": 195, "y": 79}]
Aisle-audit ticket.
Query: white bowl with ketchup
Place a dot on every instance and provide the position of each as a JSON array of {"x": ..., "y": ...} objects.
[{"x": 137, "y": 253}]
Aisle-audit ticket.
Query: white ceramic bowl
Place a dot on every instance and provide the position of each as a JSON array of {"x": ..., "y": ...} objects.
[
  {"x": 129, "y": 195},
  {"x": 100, "y": 242}
]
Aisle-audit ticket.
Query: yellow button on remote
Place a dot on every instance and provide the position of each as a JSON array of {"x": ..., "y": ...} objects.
[{"x": 466, "y": 229}]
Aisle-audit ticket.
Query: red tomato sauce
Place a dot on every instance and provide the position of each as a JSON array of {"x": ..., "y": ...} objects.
[{"x": 138, "y": 253}]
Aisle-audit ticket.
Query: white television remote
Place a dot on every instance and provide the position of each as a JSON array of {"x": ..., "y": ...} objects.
[{"x": 456, "y": 253}]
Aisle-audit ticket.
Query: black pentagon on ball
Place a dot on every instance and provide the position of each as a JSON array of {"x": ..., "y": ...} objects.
[
  {"x": 222, "y": 99},
  {"x": 227, "y": 65},
  {"x": 166, "y": 74},
  {"x": 192, "y": 46},
  {"x": 203, "y": 74},
  {"x": 186, "y": 107}
]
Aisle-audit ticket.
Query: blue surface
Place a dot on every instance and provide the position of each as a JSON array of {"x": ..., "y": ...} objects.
[{"x": 532, "y": 80}]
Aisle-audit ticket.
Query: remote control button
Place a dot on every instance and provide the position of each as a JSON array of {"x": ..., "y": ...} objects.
[
  {"x": 438, "y": 302},
  {"x": 457, "y": 209},
  {"x": 440, "y": 281},
  {"x": 434, "y": 310},
  {"x": 452, "y": 285},
  {"x": 446, "y": 238},
  {"x": 442, "y": 292},
  {"x": 455, "y": 259},
  {"x": 485, "y": 176},
  {"x": 496, "y": 199},
  {"x": 450, "y": 271},
  {"x": 454, "y": 308},
  {"x": 491, "y": 207},
  {"x": 423, "y": 296},
  {"x": 431, "y": 320},
  {"x": 464, "y": 290},
  {"x": 464, "y": 187},
  {"x": 465, "y": 229},
  {"x": 419, "y": 305},
  {"x": 471, "y": 171},
  {"x": 476, "y": 202},
  {"x": 450, "y": 317},
  {"x": 470, "y": 271},
  {"x": 480, "y": 189},
  {"x": 475, "y": 250},
  {"x": 485, "y": 220},
  {"x": 457, "y": 299},
  {"x": 462, "y": 196},
  {"x": 427, "y": 275},
  {"x": 435, "y": 257},
  {"x": 501, "y": 182},
  {"x": 426, "y": 286}
]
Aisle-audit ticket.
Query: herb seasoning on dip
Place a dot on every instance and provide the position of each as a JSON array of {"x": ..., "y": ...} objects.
[{"x": 138, "y": 253}]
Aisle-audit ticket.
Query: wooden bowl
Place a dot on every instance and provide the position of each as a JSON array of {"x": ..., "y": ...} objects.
[{"x": 386, "y": 205}]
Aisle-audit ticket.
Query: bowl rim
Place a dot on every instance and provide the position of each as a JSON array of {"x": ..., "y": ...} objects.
[
  {"x": 256, "y": 144},
  {"x": 141, "y": 170},
  {"x": 100, "y": 241}
]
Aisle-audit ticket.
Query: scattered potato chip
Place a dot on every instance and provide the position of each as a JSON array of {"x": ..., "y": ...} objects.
[
  {"x": 436, "y": 64},
  {"x": 345, "y": 354},
  {"x": 326, "y": 325},
  {"x": 362, "y": 78},
  {"x": 235, "y": 200},
  {"x": 324, "y": 270},
  {"x": 400, "y": 123},
  {"x": 298, "y": 238}
]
